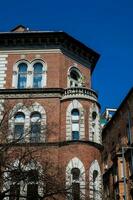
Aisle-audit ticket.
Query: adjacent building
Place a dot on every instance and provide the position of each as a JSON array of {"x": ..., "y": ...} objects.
[{"x": 117, "y": 156}]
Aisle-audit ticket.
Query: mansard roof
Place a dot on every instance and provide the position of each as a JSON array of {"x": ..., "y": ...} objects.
[{"x": 22, "y": 38}]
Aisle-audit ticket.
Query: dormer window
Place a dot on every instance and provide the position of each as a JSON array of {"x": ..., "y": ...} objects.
[{"x": 75, "y": 78}]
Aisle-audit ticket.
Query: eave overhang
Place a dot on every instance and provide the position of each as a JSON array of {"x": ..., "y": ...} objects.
[{"x": 49, "y": 40}]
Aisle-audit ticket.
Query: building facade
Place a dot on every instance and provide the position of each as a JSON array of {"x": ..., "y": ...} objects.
[
  {"x": 117, "y": 156},
  {"x": 45, "y": 83}
]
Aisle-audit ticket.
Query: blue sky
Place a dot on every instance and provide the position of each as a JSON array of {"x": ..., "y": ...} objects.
[{"x": 105, "y": 26}]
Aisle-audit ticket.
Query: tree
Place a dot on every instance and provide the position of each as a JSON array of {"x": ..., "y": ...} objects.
[{"x": 22, "y": 176}]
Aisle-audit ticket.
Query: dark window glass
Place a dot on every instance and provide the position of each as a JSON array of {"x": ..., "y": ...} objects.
[
  {"x": 22, "y": 75},
  {"x": 75, "y": 184},
  {"x": 76, "y": 191},
  {"x": 75, "y": 112},
  {"x": 32, "y": 192},
  {"x": 75, "y": 173},
  {"x": 74, "y": 75},
  {"x": 75, "y": 135},
  {"x": 14, "y": 192},
  {"x": 16, "y": 176},
  {"x": 32, "y": 176},
  {"x": 37, "y": 79}
]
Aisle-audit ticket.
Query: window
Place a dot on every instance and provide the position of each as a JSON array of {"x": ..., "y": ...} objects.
[
  {"x": 32, "y": 185},
  {"x": 75, "y": 78},
  {"x": 14, "y": 192},
  {"x": 22, "y": 75},
  {"x": 35, "y": 127},
  {"x": 20, "y": 179},
  {"x": 15, "y": 186},
  {"x": 95, "y": 188},
  {"x": 19, "y": 121},
  {"x": 75, "y": 124},
  {"x": 37, "y": 77},
  {"x": 75, "y": 183}
]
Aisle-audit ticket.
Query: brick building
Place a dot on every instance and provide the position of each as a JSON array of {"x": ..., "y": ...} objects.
[
  {"x": 47, "y": 75},
  {"x": 117, "y": 155}
]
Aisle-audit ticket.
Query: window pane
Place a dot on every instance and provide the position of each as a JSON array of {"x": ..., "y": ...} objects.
[
  {"x": 75, "y": 126},
  {"x": 32, "y": 176},
  {"x": 75, "y": 114},
  {"x": 38, "y": 68},
  {"x": 74, "y": 75},
  {"x": 35, "y": 132},
  {"x": 75, "y": 172},
  {"x": 18, "y": 130},
  {"x": 35, "y": 127},
  {"x": 35, "y": 117},
  {"x": 22, "y": 75},
  {"x": 32, "y": 192},
  {"x": 76, "y": 191},
  {"x": 75, "y": 135},
  {"x": 19, "y": 117},
  {"x": 37, "y": 81},
  {"x": 22, "y": 68},
  {"x": 22, "y": 81},
  {"x": 14, "y": 192}
]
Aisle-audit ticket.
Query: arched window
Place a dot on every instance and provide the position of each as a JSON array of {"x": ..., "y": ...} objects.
[
  {"x": 37, "y": 77},
  {"x": 35, "y": 127},
  {"x": 75, "y": 78},
  {"x": 95, "y": 182},
  {"x": 75, "y": 179},
  {"x": 75, "y": 124},
  {"x": 22, "y": 75},
  {"x": 75, "y": 183},
  {"x": 19, "y": 121}
]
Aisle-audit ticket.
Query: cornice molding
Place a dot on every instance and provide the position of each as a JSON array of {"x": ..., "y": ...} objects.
[{"x": 49, "y": 40}]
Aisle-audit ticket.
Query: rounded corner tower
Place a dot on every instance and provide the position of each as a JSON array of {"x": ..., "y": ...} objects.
[{"x": 51, "y": 72}]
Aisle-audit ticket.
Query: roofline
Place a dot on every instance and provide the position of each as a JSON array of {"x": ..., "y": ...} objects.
[
  {"x": 118, "y": 110},
  {"x": 93, "y": 55}
]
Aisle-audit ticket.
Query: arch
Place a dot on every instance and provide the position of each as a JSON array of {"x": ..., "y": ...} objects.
[
  {"x": 74, "y": 78},
  {"x": 95, "y": 181},
  {"x": 40, "y": 76},
  {"x": 30, "y": 73},
  {"x": 75, "y": 163},
  {"x": 15, "y": 79},
  {"x": 75, "y": 105},
  {"x": 32, "y": 172},
  {"x": 18, "y": 108},
  {"x": 94, "y": 124}
]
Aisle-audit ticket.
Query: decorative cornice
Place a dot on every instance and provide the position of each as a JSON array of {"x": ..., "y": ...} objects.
[
  {"x": 31, "y": 93},
  {"x": 49, "y": 40},
  {"x": 63, "y": 94}
]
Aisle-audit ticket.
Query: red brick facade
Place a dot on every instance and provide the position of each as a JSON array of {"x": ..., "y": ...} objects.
[{"x": 55, "y": 100}]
